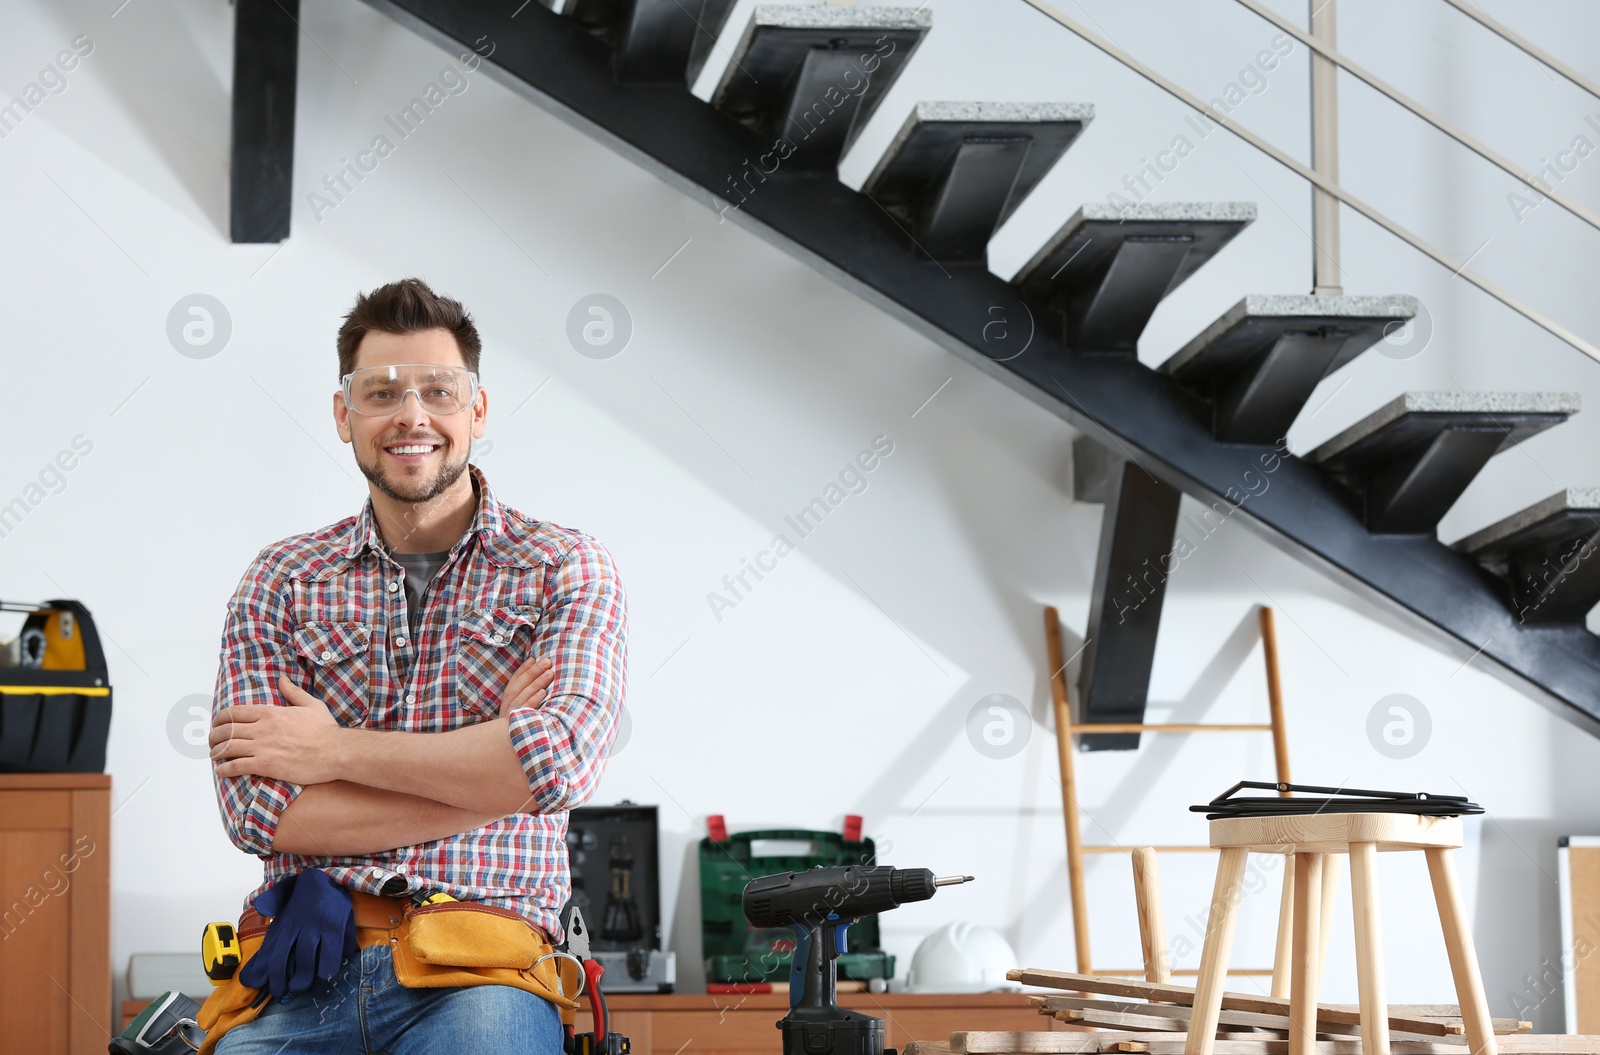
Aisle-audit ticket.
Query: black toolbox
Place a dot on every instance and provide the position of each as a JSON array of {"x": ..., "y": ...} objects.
[
  {"x": 613, "y": 853},
  {"x": 55, "y": 696}
]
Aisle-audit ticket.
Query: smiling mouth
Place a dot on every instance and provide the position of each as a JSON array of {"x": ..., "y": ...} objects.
[{"x": 411, "y": 451}]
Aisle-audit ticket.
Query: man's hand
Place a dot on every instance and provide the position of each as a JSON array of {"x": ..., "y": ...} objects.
[
  {"x": 293, "y": 743},
  {"x": 527, "y": 686}
]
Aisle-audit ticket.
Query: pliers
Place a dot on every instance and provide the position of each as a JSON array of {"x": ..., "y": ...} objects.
[{"x": 601, "y": 1041}]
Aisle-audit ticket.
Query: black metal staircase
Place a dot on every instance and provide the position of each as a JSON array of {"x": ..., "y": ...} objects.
[{"x": 1209, "y": 423}]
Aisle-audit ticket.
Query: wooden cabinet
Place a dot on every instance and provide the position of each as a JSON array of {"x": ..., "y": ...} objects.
[
  {"x": 745, "y": 1025},
  {"x": 55, "y": 912},
  {"x": 738, "y": 1024}
]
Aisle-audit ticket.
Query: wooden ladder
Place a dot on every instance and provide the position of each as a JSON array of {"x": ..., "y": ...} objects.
[{"x": 1067, "y": 730}]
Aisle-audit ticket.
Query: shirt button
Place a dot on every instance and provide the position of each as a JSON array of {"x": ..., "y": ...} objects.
[
  {"x": 499, "y": 639},
  {"x": 401, "y": 868},
  {"x": 326, "y": 655},
  {"x": 411, "y": 697},
  {"x": 401, "y": 641},
  {"x": 393, "y": 587}
]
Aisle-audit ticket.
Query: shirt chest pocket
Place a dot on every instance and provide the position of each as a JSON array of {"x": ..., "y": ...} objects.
[
  {"x": 339, "y": 656},
  {"x": 489, "y": 645}
]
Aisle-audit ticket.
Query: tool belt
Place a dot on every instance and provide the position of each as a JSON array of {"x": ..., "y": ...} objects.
[{"x": 452, "y": 943}]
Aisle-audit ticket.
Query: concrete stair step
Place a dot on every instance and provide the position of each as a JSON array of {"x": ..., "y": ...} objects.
[
  {"x": 812, "y": 76},
  {"x": 1544, "y": 553},
  {"x": 1412, "y": 458},
  {"x": 1260, "y": 362},
  {"x": 1108, "y": 266},
  {"x": 955, "y": 171}
]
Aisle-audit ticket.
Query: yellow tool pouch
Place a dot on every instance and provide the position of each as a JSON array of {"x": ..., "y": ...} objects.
[
  {"x": 453, "y": 943},
  {"x": 462, "y": 943}
]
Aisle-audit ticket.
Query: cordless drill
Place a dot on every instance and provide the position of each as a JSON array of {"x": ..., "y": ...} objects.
[{"x": 819, "y": 905}]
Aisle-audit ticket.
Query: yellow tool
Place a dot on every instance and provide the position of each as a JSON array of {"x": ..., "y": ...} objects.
[
  {"x": 423, "y": 897},
  {"x": 219, "y": 951}
]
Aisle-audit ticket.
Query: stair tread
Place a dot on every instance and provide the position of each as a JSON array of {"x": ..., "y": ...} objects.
[
  {"x": 979, "y": 110},
  {"x": 783, "y": 41},
  {"x": 1502, "y": 534},
  {"x": 921, "y": 155},
  {"x": 797, "y": 17},
  {"x": 1042, "y": 268},
  {"x": 1027, "y": 117},
  {"x": 819, "y": 16},
  {"x": 1532, "y": 405},
  {"x": 1214, "y": 341}
]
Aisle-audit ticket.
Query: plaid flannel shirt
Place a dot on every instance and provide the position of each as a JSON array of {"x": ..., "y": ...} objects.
[{"x": 329, "y": 608}]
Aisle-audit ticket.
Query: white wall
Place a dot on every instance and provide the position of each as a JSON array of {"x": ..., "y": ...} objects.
[{"x": 843, "y": 683}]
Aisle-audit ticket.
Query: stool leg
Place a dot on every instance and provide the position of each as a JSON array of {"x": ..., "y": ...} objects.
[
  {"x": 1280, "y": 956},
  {"x": 1369, "y": 948},
  {"x": 1330, "y": 894},
  {"x": 1307, "y": 958},
  {"x": 1214, "y": 956},
  {"x": 1463, "y": 955}
]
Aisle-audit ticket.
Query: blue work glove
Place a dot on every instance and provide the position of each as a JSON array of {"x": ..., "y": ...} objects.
[{"x": 313, "y": 931}]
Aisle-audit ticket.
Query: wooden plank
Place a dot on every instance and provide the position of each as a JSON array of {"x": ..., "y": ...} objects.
[
  {"x": 1527, "y": 1044},
  {"x": 1054, "y": 1005},
  {"x": 1182, "y": 994},
  {"x": 1056, "y": 1042},
  {"x": 903, "y": 1025}
]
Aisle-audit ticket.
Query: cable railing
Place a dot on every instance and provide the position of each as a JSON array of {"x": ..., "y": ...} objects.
[{"x": 1322, "y": 175}]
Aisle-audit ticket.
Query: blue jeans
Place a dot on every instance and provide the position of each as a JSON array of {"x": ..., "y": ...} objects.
[{"x": 369, "y": 1013}]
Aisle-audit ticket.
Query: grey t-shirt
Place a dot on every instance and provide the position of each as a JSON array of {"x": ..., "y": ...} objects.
[{"x": 420, "y": 570}]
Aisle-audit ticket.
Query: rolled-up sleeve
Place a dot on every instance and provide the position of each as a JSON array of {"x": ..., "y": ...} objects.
[
  {"x": 255, "y": 650},
  {"x": 582, "y": 630}
]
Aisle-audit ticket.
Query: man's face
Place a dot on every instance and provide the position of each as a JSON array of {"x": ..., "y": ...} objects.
[{"x": 379, "y": 439}]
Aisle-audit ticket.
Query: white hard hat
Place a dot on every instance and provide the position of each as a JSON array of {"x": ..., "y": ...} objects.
[{"x": 962, "y": 957}]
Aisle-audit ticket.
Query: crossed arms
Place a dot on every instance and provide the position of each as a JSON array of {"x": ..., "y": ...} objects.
[{"x": 291, "y": 779}]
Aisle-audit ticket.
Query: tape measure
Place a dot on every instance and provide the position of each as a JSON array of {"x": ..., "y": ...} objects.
[
  {"x": 425, "y": 897},
  {"x": 219, "y": 951}
]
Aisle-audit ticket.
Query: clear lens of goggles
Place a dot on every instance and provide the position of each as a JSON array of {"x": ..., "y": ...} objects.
[{"x": 381, "y": 389}]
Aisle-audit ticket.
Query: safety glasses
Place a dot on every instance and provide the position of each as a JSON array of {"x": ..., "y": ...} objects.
[{"x": 380, "y": 390}]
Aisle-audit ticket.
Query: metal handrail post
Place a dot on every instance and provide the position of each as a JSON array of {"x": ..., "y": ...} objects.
[{"x": 1326, "y": 281}]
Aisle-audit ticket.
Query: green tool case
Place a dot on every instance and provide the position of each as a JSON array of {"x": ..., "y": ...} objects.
[{"x": 736, "y": 952}]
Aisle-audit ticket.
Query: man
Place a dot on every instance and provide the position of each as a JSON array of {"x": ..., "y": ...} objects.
[{"x": 409, "y": 702}]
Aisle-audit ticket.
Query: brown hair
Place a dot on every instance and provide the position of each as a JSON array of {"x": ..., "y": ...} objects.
[{"x": 407, "y": 306}]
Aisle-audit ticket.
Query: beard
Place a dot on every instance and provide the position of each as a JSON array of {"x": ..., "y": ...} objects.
[{"x": 418, "y": 491}]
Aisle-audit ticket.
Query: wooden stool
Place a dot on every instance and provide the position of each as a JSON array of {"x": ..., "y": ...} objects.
[{"x": 1308, "y": 839}]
